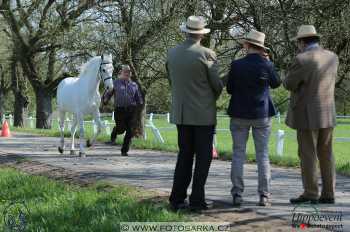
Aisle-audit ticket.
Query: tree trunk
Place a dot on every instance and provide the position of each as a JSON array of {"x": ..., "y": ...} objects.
[
  {"x": 21, "y": 103},
  {"x": 2, "y": 103},
  {"x": 18, "y": 88},
  {"x": 43, "y": 109},
  {"x": 139, "y": 122}
]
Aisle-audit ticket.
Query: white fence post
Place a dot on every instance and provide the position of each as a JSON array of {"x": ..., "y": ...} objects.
[
  {"x": 112, "y": 115},
  {"x": 279, "y": 117},
  {"x": 30, "y": 122},
  {"x": 69, "y": 124},
  {"x": 279, "y": 142},
  {"x": 168, "y": 117},
  {"x": 156, "y": 132},
  {"x": 11, "y": 120},
  {"x": 107, "y": 127},
  {"x": 94, "y": 126},
  {"x": 154, "y": 129}
]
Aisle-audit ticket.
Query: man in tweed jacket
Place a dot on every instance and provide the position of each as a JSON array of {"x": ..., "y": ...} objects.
[{"x": 311, "y": 81}]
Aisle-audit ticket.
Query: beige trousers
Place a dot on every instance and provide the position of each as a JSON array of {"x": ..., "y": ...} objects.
[{"x": 313, "y": 145}]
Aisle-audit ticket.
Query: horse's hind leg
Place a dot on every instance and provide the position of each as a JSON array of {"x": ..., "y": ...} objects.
[
  {"x": 61, "y": 124},
  {"x": 73, "y": 131}
]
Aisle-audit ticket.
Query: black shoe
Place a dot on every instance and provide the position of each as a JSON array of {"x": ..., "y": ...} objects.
[
  {"x": 200, "y": 207},
  {"x": 324, "y": 200},
  {"x": 301, "y": 199},
  {"x": 237, "y": 200},
  {"x": 264, "y": 201},
  {"x": 125, "y": 154},
  {"x": 179, "y": 206}
]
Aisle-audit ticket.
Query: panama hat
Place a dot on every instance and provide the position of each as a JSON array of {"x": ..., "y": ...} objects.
[
  {"x": 195, "y": 25},
  {"x": 306, "y": 31},
  {"x": 256, "y": 38}
]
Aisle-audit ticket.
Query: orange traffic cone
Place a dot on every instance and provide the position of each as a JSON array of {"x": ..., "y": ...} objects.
[
  {"x": 5, "y": 130},
  {"x": 215, "y": 153}
]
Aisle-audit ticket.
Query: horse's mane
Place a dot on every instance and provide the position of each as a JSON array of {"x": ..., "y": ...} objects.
[{"x": 90, "y": 66}]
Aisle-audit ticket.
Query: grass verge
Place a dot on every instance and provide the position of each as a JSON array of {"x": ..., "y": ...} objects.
[{"x": 53, "y": 206}]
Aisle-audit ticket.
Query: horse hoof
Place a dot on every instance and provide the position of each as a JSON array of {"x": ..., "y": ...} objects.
[
  {"x": 60, "y": 150},
  {"x": 72, "y": 152},
  {"x": 82, "y": 154},
  {"x": 88, "y": 143}
]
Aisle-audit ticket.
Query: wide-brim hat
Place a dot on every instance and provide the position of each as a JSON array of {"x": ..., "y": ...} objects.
[
  {"x": 256, "y": 38},
  {"x": 195, "y": 25},
  {"x": 306, "y": 31}
]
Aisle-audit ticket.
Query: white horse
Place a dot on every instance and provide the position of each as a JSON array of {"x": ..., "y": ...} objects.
[{"x": 81, "y": 96}]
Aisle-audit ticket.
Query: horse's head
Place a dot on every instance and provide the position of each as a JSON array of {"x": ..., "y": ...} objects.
[{"x": 106, "y": 71}]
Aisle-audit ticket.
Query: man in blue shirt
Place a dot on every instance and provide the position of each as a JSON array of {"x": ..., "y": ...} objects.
[
  {"x": 127, "y": 97},
  {"x": 251, "y": 106}
]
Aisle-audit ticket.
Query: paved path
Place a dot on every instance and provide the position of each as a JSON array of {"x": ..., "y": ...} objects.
[{"x": 154, "y": 170}]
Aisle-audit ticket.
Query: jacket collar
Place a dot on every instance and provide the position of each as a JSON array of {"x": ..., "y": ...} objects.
[
  {"x": 191, "y": 41},
  {"x": 255, "y": 55}
]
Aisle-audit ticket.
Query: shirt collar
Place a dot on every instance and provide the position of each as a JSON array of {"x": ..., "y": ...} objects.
[{"x": 311, "y": 46}]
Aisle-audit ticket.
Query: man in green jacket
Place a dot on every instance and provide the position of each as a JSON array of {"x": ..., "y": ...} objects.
[{"x": 195, "y": 87}]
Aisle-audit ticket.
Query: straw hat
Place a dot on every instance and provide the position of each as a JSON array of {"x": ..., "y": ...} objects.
[
  {"x": 195, "y": 25},
  {"x": 255, "y": 37},
  {"x": 306, "y": 31}
]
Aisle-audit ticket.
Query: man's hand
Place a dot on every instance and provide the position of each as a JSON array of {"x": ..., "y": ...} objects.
[
  {"x": 105, "y": 98},
  {"x": 265, "y": 55}
]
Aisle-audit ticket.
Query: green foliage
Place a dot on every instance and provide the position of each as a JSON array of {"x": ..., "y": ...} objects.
[{"x": 141, "y": 33}]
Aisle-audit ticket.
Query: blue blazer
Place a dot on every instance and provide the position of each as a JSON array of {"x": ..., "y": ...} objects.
[{"x": 248, "y": 84}]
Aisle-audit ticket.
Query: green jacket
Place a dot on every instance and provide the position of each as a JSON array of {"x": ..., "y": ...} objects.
[{"x": 195, "y": 84}]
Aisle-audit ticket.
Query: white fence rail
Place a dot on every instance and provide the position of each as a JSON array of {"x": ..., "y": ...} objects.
[{"x": 156, "y": 131}]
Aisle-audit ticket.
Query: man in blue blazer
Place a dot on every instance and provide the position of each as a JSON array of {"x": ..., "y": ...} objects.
[{"x": 251, "y": 106}]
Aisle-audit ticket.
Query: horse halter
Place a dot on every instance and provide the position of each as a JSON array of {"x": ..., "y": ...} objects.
[{"x": 100, "y": 72}]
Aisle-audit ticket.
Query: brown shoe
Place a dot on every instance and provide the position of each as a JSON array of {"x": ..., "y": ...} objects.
[{"x": 324, "y": 200}]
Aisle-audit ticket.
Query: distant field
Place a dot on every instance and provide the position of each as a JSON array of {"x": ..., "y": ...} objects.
[{"x": 224, "y": 141}]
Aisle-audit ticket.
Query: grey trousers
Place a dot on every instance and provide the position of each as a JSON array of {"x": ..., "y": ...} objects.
[{"x": 261, "y": 129}]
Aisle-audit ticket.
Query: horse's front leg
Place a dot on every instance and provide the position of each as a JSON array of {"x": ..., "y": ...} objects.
[
  {"x": 73, "y": 131},
  {"x": 81, "y": 136},
  {"x": 97, "y": 120}
]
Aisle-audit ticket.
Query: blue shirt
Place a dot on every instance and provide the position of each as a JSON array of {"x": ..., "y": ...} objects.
[
  {"x": 248, "y": 84},
  {"x": 126, "y": 93}
]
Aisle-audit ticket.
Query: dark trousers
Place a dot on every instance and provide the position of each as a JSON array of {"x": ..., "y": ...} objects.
[
  {"x": 124, "y": 117},
  {"x": 192, "y": 140}
]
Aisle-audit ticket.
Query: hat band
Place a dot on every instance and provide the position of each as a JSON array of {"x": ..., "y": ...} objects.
[
  {"x": 194, "y": 29},
  {"x": 254, "y": 41}
]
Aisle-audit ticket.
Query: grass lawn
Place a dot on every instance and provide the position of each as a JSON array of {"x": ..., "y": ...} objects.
[
  {"x": 53, "y": 206},
  {"x": 224, "y": 145}
]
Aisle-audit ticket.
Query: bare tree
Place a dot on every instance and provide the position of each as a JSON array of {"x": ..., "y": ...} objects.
[{"x": 37, "y": 29}]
